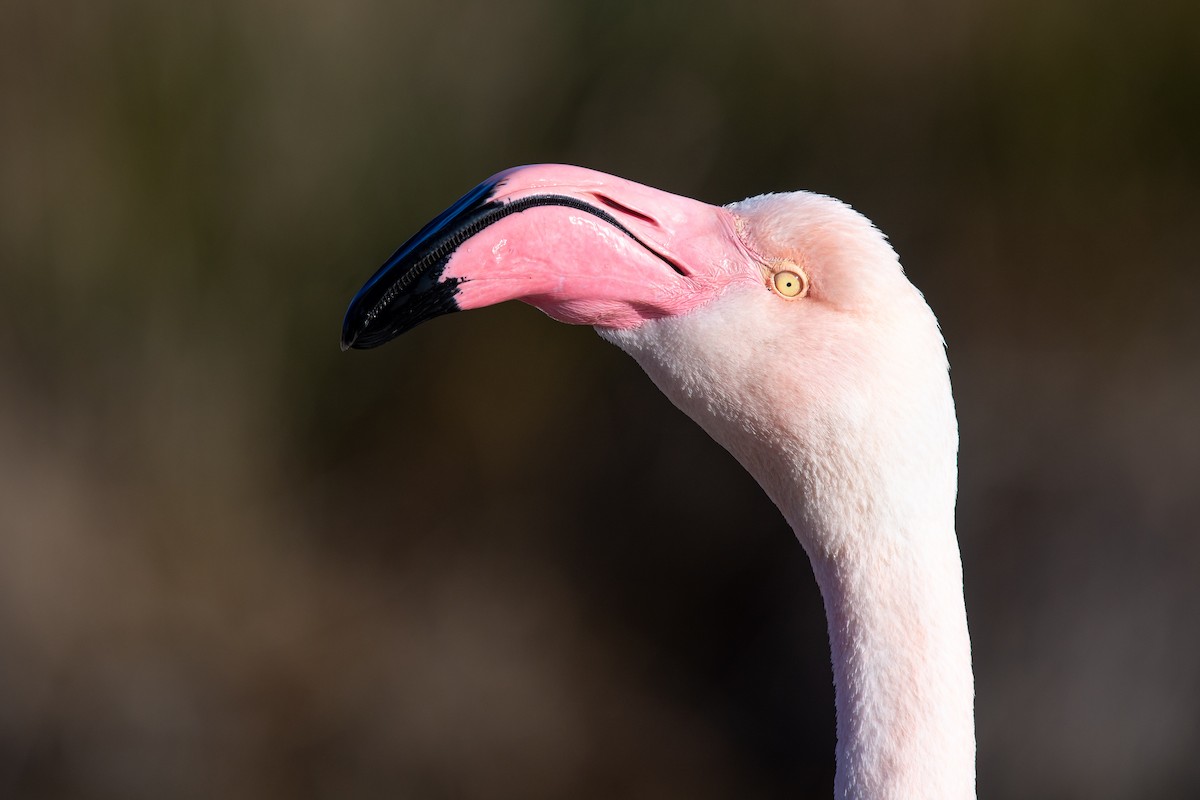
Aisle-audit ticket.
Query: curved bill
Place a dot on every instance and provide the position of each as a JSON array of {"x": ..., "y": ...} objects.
[{"x": 584, "y": 247}]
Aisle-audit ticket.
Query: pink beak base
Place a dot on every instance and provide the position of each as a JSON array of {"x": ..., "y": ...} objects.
[{"x": 578, "y": 267}]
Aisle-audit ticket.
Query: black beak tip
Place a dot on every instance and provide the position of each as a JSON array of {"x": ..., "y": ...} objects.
[
  {"x": 350, "y": 331},
  {"x": 409, "y": 289}
]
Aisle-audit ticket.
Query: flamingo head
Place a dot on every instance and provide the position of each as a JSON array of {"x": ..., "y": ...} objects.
[{"x": 780, "y": 323}]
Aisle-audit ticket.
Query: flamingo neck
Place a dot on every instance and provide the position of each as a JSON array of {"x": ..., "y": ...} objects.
[
  {"x": 901, "y": 664},
  {"x": 869, "y": 488}
]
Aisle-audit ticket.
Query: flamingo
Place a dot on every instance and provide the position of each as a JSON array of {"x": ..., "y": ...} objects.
[{"x": 785, "y": 327}]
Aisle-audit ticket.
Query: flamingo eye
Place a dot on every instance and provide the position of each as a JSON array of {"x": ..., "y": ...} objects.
[{"x": 791, "y": 283}]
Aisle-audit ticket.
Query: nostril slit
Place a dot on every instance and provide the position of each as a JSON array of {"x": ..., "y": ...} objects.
[
  {"x": 604, "y": 215},
  {"x": 626, "y": 210}
]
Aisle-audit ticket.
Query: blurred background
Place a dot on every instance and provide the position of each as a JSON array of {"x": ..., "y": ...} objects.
[{"x": 490, "y": 560}]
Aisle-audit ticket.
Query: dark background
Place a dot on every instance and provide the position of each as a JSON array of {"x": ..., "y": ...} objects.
[{"x": 490, "y": 560}]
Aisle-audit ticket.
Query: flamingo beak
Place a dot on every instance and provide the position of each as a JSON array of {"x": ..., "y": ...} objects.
[{"x": 584, "y": 247}]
